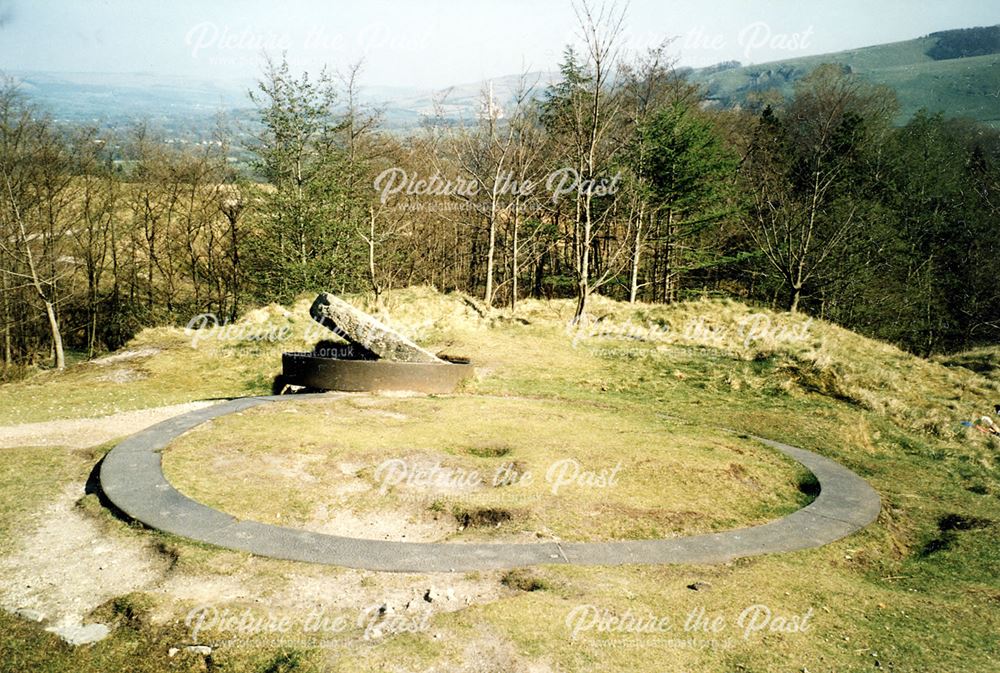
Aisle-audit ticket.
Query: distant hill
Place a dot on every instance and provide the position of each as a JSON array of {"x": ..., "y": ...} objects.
[
  {"x": 101, "y": 96},
  {"x": 956, "y": 72},
  {"x": 187, "y": 108},
  {"x": 463, "y": 102}
]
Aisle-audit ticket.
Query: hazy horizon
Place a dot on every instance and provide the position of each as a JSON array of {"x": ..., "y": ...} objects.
[{"x": 433, "y": 44}]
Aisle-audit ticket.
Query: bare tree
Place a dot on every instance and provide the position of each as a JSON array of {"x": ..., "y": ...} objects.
[
  {"x": 94, "y": 216},
  {"x": 582, "y": 111},
  {"x": 484, "y": 154},
  {"x": 527, "y": 169},
  {"x": 385, "y": 224},
  {"x": 233, "y": 205},
  {"x": 798, "y": 167},
  {"x": 30, "y": 159},
  {"x": 34, "y": 277}
]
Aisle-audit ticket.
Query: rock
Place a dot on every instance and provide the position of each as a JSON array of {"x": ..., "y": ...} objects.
[
  {"x": 80, "y": 634},
  {"x": 172, "y": 652},
  {"x": 699, "y": 586},
  {"x": 203, "y": 650},
  {"x": 30, "y": 615},
  {"x": 366, "y": 332},
  {"x": 432, "y": 595}
]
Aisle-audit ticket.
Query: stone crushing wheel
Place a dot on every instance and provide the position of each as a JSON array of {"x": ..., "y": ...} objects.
[{"x": 376, "y": 357}]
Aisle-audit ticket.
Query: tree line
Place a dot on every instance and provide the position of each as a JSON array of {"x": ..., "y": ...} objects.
[{"x": 615, "y": 178}]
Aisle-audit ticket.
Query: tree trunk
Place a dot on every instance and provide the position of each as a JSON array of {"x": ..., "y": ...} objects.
[
  {"x": 490, "y": 254},
  {"x": 149, "y": 276},
  {"x": 583, "y": 293},
  {"x": 513, "y": 261},
  {"x": 7, "y": 346},
  {"x": 633, "y": 290},
  {"x": 583, "y": 264},
  {"x": 670, "y": 257},
  {"x": 583, "y": 284},
  {"x": 796, "y": 296},
  {"x": 57, "y": 344},
  {"x": 371, "y": 256},
  {"x": 92, "y": 310},
  {"x": 235, "y": 255}
]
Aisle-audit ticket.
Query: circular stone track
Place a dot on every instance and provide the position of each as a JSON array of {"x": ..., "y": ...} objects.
[{"x": 132, "y": 478}]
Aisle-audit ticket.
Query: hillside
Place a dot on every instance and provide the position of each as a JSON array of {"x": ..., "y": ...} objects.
[
  {"x": 985, "y": 361},
  {"x": 958, "y": 86},
  {"x": 652, "y": 385}
]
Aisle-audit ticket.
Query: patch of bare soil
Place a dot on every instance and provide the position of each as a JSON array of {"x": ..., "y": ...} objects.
[
  {"x": 67, "y": 566},
  {"x": 125, "y": 356},
  {"x": 394, "y": 525},
  {"x": 492, "y": 653},
  {"x": 123, "y": 375},
  {"x": 397, "y": 592}
]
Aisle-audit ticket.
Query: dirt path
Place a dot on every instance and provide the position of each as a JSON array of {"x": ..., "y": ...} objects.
[
  {"x": 65, "y": 563},
  {"x": 66, "y": 567},
  {"x": 84, "y": 432}
]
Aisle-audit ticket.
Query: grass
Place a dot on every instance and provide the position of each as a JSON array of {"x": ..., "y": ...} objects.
[
  {"x": 916, "y": 591},
  {"x": 172, "y": 366},
  {"x": 31, "y": 476},
  {"x": 984, "y": 361},
  {"x": 633, "y": 473}
]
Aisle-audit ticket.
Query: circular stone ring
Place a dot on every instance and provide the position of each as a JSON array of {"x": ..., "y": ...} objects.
[{"x": 132, "y": 479}]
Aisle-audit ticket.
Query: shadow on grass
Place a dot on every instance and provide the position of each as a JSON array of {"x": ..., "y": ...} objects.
[{"x": 93, "y": 487}]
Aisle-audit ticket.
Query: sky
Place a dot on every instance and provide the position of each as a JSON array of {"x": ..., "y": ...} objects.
[{"x": 437, "y": 43}]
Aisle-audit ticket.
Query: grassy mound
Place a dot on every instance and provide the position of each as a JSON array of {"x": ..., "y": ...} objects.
[{"x": 483, "y": 468}]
